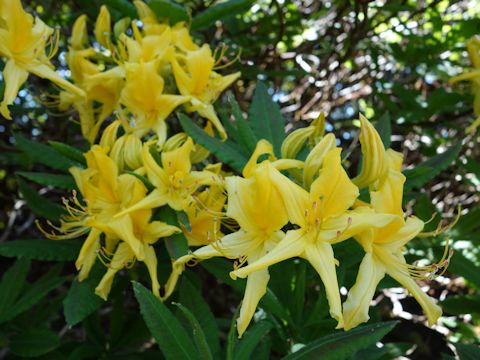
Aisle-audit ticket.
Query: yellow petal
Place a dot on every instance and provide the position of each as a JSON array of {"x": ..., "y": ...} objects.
[
  {"x": 123, "y": 255},
  {"x": 102, "y": 27},
  {"x": 355, "y": 309},
  {"x": 122, "y": 226},
  {"x": 292, "y": 245},
  {"x": 351, "y": 223},
  {"x": 396, "y": 240},
  {"x": 254, "y": 291},
  {"x": 178, "y": 160},
  {"x": 263, "y": 148},
  {"x": 79, "y": 38},
  {"x": 13, "y": 77},
  {"x": 207, "y": 111},
  {"x": 153, "y": 200},
  {"x": 295, "y": 198},
  {"x": 45, "y": 72},
  {"x": 388, "y": 197},
  {"x": 320, "y": 255},
  {"x": 373, "y": 150},
  {"x": 231, "y": 246},
  {"x": 151, "y": 262},
  {"x": 314, "y": 160},
  {"x": 158, "y": 229},
  {"x": 200, "y": 63},
  {"x": 155, "y": 173},
  {"x": 88, "y": 253},
  {"x": 432, "y": 310},
  {"x": 333, "y": 187}
]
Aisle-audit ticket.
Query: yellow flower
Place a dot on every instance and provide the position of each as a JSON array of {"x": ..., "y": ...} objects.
[
  {"x": 256, "y": 205},
  {"x": 383, "y": 247},
  {"x": 148, "y": 233},
  {"x": 323, "y": 219},
  {"x": 373, "y": 161},
  {"x": 102, "y": 89},
  {"x": 174, "y": 181},
  {"x": 195, "y": 78},
  {"x": 203, "y": 216},
  {"x": 23, "y": 43},
  {"x": 143, "y": 96}
]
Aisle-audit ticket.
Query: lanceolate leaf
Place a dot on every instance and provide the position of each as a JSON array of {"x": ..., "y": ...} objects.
[
  {"x": 227, "y": 151},
  {"x": 266, "y": 119},
  {"x": 43, "y": 154},
  {"x": 36, "y": 249},
  {"x": 58, "y": 181},
  {"x": 81, "y": 299},
  {"x": 169, "y": 10},
  {"x": 171, "y": 337},
  {"x": 38, "y": 204},
  {"x": 198, "y": 334},
  {"x": 69, "y": 152},
  {"x": 384, "y": 129},
  {"x": 219, "y": 11},
  {"x": 33, "y": 293},
  {"x": 34, "y": 342},
  {"x": 13, "y": 281},
  {"x": 342, "y": 345},
  {"x": 177, "y": 244},
  {"x": 427, "y": 170},
  {"x": 252, "y": 337},
  {"x": 193, "y": 300}
]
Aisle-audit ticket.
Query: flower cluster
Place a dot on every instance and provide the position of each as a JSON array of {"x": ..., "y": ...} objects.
[
  {"x": 142, "y": 69},
  {"x": 136, "y": 177},
  {"x": 322, "y": 203}
]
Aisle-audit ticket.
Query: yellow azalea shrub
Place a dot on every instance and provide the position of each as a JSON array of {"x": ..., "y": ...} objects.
[{"x": 125, "y": 86}]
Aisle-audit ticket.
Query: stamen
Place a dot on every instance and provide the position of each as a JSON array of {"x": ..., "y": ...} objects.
[{"x": 440, "y": 228}]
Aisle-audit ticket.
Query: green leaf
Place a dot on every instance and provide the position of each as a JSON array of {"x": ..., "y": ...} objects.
[
  {"x": 182, "y": 218},
  {"x": 43, "y": 154},
  {"x": 169, "y": 10},
  {"x": 384, "y": 129},
  {"x": 177, "y": 244},
  {"x": 81, "y": 299},
  {"x": 266, "y": 119},
  {"x": 193, "y": 300},
  {"x": 245, "y": 132},
  {"x": 461, "y": 304},
  {"x": 341, "y": 345},
  {"x": 38, "y": 204},
  {"x": 34, "y": 342},
  {"x": 55, "y": 180},
  {"x": 124, "y": 7},
  {"x": 69, "y": 152},
  {"x": 226, "y": 151},
  {"x": 219, "y": 11},
  {"x": 430, "y": 168},
  {"x": 199, "y": 337},
  {"x": 468, "y": 351},
  {"x": 34, "y": 293},
  {"x": 171, "y": 337},
  {"x": 13, "y": 282},
  {"x": 37, "y": 249},
  {"x": 460, "y": 265},
  {"x": 251, "y": 338}
]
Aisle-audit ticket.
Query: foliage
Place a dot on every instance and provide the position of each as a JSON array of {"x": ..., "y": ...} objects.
[{"x": 391, "y": 61}]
